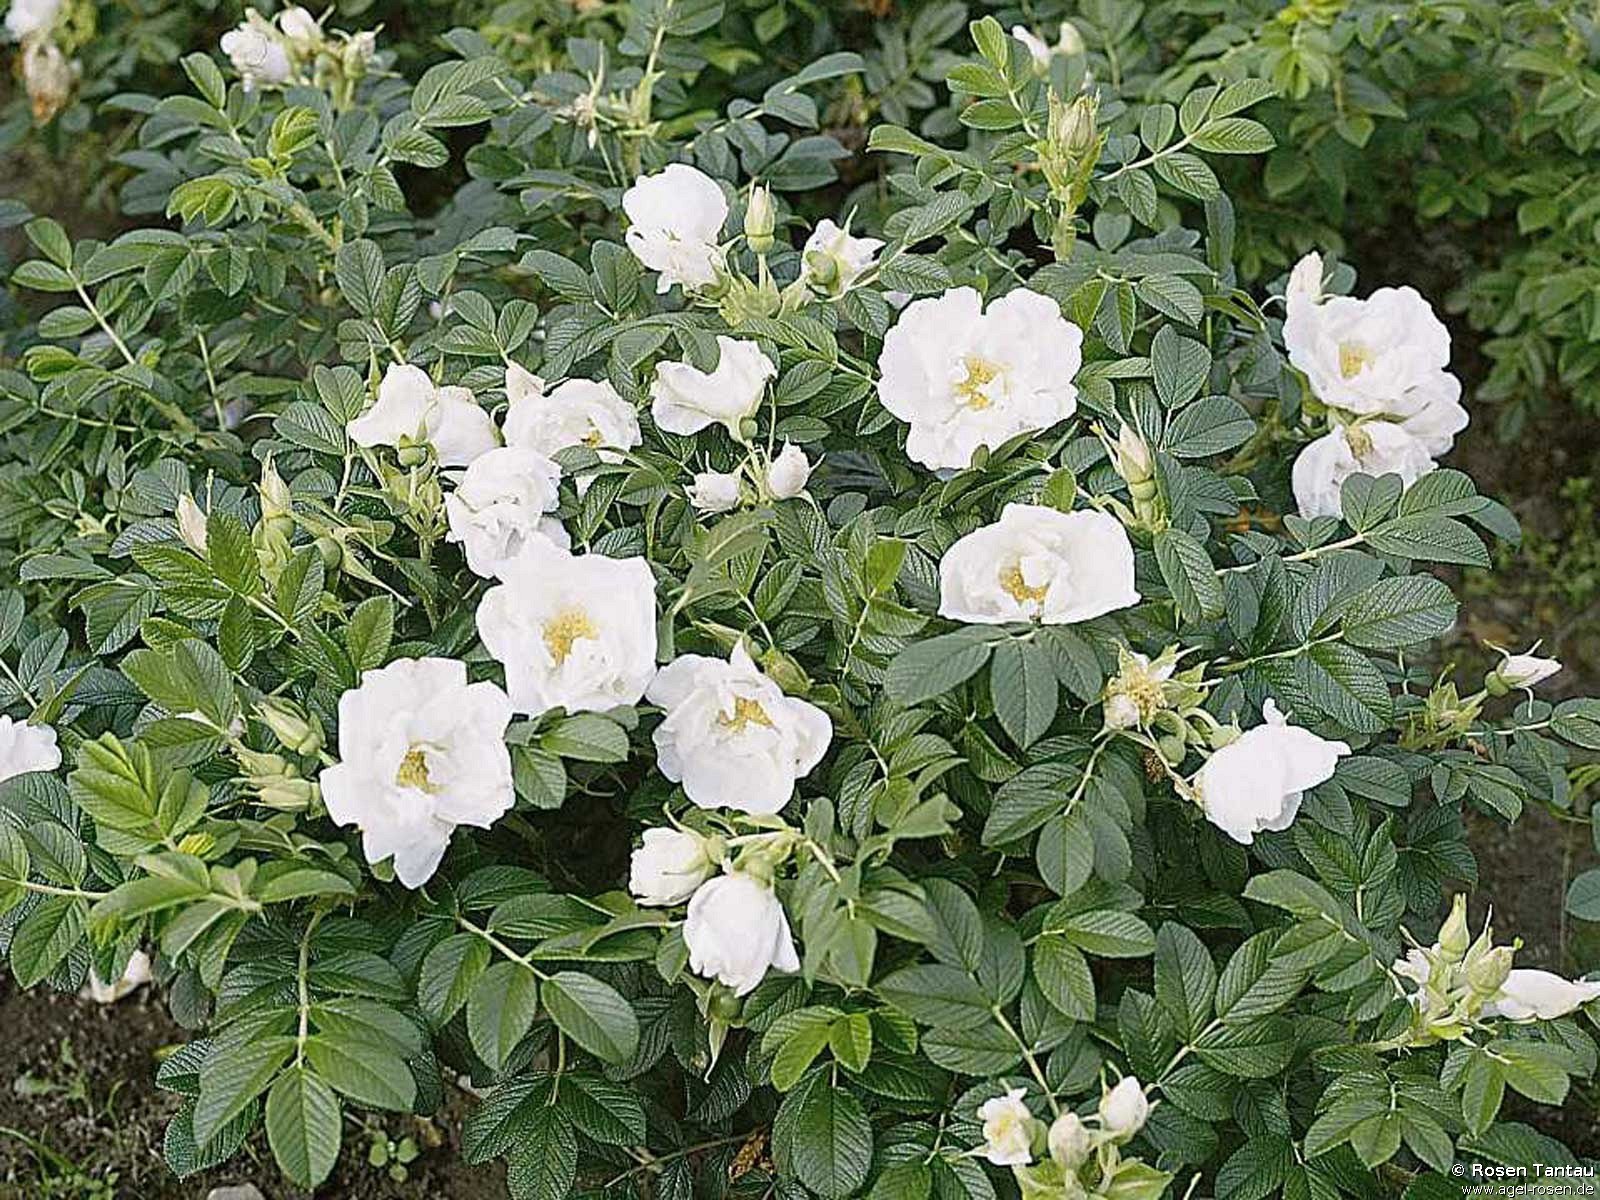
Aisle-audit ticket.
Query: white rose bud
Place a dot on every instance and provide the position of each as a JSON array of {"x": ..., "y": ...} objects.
[
  {"x": 1070, "y": 1141},
  {"x": 1007, "y": 1129},
  {"x": 715, "y": 491},
  {"x": 735, "y": 930},
  {"x": 788, "y": 474},
  {"x": 1124, "y": 1109},
  {"x": 257, "y": 53},
  {"x": 760, "y": 220},
  {"x": 299, "y": 26},
  {"x": 192, "y": 524},
  {"x": 668, "y": 867},
  {"x": 833, "y": 260},
  {"x": 1036, "y": 46},
  {"x": 1523, "y": 671}
]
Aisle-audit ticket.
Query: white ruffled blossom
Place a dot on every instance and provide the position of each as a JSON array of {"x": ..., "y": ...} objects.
[
  {"x": 1370, "y": 448},
  {"x": 675, "y": 220},
  {"x": 1124, "y": 1109},
  {"x": 963, "y": 377},
  {"x": 668, "y": 866},
  {"x": 685, "y": 400},
  {"x": 731, "y": 736},
  {"x": 1008, "y": 1128},
  {"x": 834, "y": 260},
  {"x": 714, "y": 491},
  {"x": 1529, "y": 995},
  {"x": 25, "y": 747},
  {"x": 1257, "y": 781},
  {"x": 411, "y": 410},
  {"x": 421, "y": 751},
  {"x": 257, "y": 52},
  {"x": 788, "y": 473},
  {"x": 735, "y": 930},
  {"x": 48, "y": 76},
  {"x": 576, "y": 412},
  {"x": 1385, "y": 356},
  {"x": 574, "y": 631},
  {"x": 1038, "y": 564},
  {"x": 500, "y": 504}
]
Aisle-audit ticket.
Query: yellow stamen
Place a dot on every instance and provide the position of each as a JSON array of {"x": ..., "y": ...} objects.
[
  {"x": 594, "y": 437},
  {"x": 980, "y": 374},
  {"x": 747, "y": 712},
  {"x": 1017, "y": 588},
  {"x": 564, "y": 630},
  {"x": 1354, "y": 358},
  {"x": 413, "y": 772}
]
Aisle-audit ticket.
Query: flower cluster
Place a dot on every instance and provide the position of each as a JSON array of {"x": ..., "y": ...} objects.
[{"x": 1379, "y": 369}]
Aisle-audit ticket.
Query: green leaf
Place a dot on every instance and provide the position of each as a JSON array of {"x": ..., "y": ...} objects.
[
  {"x": 593, "y": 1014},
  {"x": 1393, "y": 613},
  {"x": 1024, "y": 690},
  {"x": 45, "y": 938},
  {"x": 500, "y": 1011},
  {"x": 822, "y": 1137},
  {"x": 449, "y": 973},
  {"x": 1189, "y": 575},
  {"x": 1063, "y": 977},
  {"x": 931, "y": 668},
  {"x": 1186, "y": 978},
  {"x": 234, "y": 1074},
  {"x": 937, "y": 995},
  {"x": 303, "y": 1127},
  {"x": 364, "y": 1073},
  {"x": 1109, "y": 933},
  {"x": 544, "y": 1162}
]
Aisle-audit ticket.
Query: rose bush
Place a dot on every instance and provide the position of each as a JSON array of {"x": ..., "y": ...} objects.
[{"x": 845, "y": 688}]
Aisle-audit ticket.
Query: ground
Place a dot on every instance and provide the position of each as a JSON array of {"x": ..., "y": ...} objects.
[{"x": 81, "y": 1118}]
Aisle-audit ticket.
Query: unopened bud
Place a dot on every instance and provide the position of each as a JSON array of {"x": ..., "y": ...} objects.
[
  {"x": 1172, "y": 748},
  {"x": 760, "y": 219},
  {"x": 276, "y": 500},
  {"x": 413, "y": 455},
  {"x": 1076, "y": 129},
  {"x": 291, "y": 724},
  {"x": 192, "y": 524},
  {"x": 1070, "y": 1141},
  {"x": 1488, "y": 973},
  {"x": 288, "y": 794},
  {"x": 1454, "y": 936},
  {"x": 1069, "y": 41},
  {"x": 1134, "y": 461}
]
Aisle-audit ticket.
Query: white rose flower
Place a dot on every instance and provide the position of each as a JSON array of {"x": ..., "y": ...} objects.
[
  {"x": 731, "y": 736},
  {"x": 735, "y": 929},
  {"x": 1036, "y": 46},
  {"x": 1526, "y": 670},
  {"x": 715, "y": 491},
  {"x": 25, "y": 747},
  {"x": 133, "y": 978},
  {"x": 574, "y": 631},
  {"x": 1070, "y": 1141},
  {"x": 1007, "y": 1129},
  {"x": 576, "y": 412},
  {"x": 299, "y": 26},
  {"x": 685, "y": 400},
  {"x": 789, "y": 473},
  {"x": 1038, "y": 564},
  {"x": 1385, "y": 355},
  {"x": 833, "y": 260},
  {"x": 28, "y": 18},
  {"x": 1371, "y": 448},
  {"x": 1124, "y": 1109},
  {"x": 1256, "y": 782},
  {"x": 1529, "y": 995},
  {"x": 422, "y": 751},
  {"x": 256, "y": 53},
  {"x": 500, "y": 504},
  {"x": 411, "y": 410},
  {"x": 668, "y": 867},
  {"x": 965, "y": 378},
  {"x": 675, "y": 220}
]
